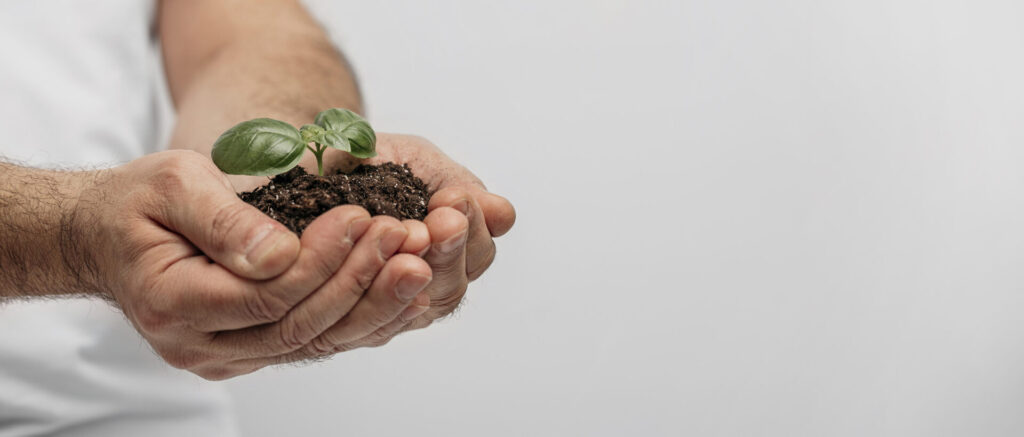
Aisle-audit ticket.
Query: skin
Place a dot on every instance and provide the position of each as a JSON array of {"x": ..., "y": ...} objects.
[
  {"x": 213, "y": 285},
  {"x": 219, "y": 65}
]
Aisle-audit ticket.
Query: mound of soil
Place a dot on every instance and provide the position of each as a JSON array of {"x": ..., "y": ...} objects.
[{"x": 296, "y": 198}]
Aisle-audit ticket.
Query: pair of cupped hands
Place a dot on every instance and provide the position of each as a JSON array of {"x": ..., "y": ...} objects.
[{"x": 220, "y": 289}]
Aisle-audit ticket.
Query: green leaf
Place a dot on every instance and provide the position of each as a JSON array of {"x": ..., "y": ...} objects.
[
  {"x": 312, "y": 133},
  {"x": 337, "y": 141},
  {"x": 346, "y": 130},
  {"x": 260, "y": 147}
]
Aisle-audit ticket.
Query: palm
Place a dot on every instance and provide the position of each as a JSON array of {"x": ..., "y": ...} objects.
[{"x": 481, "y": 216}]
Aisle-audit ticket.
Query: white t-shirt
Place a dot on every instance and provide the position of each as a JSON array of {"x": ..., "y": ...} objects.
[{"x": 81, "y": 85}]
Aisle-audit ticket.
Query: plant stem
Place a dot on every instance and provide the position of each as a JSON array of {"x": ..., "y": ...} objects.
[{"x": 319, "y": 153}]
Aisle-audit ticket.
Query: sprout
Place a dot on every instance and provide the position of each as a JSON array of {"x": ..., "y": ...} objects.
[{"x": 266, "y": 147}]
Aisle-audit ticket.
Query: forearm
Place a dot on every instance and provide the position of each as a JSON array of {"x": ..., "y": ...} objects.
[
  {"x": 42, "y": 241},
  {"x": 287, "y": 69}
]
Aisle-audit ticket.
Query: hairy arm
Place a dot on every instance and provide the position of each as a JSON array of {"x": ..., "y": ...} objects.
[
  {"x": 144, "y": 234},
  {"x": 232, "y": 60},
  {"x": 41, "y": 251}
]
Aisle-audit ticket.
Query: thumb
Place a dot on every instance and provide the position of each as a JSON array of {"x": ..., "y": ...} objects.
[{"x": 231, "y": 232}]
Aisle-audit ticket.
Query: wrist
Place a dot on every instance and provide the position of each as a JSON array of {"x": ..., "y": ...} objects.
[
  {"x": 42, "y": 232},
  {"x": 80, "y": 234}
]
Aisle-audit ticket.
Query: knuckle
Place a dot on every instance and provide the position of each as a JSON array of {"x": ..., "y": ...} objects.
[
  {"x": 355, "y": 290},
  {"x": 483, "y": 264},
  {"x": 147, "y": 282},
  {"x": 387, "y": 222},
  {"x": 448, "y": 303},
  {"x": 419, "y": 323},
  {"x": 173, "y": 170},
  {"x": 151, "y": 314},
  {"x": 342, "y": 348},
  {"x": 364, "y": 278},
  {"x": 168, "y": 183},
  {"x": 453, "y": 296},
  {"x": 226, "y": 218},
  {"x": 183, "y": 159},
  {"x": 359, "y": 282},
  {"x": 377, "y": 339},
  {"x": 265, "y": 307},
  {"x": 137, "y": 202},
  {"x": 443, "y": 311},
  {"x": 456, "y": 297},
  {"x": 181, "y": 358},
  {"x": 380, "y": 318},
  {"x": 459, "y": 193},
  {"x": 319, "y": 266},
  {"x": 321, "y": 346},
  {"x": 174, "y": 361},
  {"x": 446, "y": 266},
  {"x": 378, "y": 342},
  {"x": 152, "y": 320},
  {"x": 294, "y": 334}
]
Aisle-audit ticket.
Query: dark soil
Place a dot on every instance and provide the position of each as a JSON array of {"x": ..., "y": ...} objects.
[{"x": 295, "y": 198}]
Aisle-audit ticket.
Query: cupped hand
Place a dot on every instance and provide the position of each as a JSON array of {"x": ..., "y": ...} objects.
[
  {"x": 463, "y": 219},
  {"x": 220, "y": 289}
]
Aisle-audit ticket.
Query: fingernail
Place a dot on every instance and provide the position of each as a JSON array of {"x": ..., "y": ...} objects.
[
  {"x": 410, "y": 285},
  {"x": 453, "y": 243},
  {"x": 357, "y": 228},
  {"x": 412, "y": 312},
  {"x": 391, "y": 241},
  {"x": 264, "y": 243},
  {"x": 462, "y": 206}
]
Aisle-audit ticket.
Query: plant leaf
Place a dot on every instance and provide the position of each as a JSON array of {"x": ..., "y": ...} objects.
[
  {"x": 336, "y": 140},
  {"x": 260, "y": 147},
  {"x": 312, "y": 133},
  {"x": 346, "y": 130}
]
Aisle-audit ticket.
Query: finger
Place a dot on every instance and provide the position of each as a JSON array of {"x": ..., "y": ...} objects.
[
  {"x": 205, "y": 297},
  {"x": 324, "y": 307},
  {"x": 386, "y": 307},
  {"x": 420, "y": 322},
  {"x": 203, "y": 208},
  {"x": 326, "y": 244},
  {"x": 418, "y": 240},
  {"x": 220, "y": 372},
  {"x": 402, "y": 323},
  {"x": 419, "y": 306},
  {"x": 187, "y": 292},
  {"x": 498, "y": 211},
  {"x": 383, "y": 335},
  {"x": 447, "y": 259},
  {"x": 480, "y": 249},
  {"x": 208, "y": 298},
  {"x": 402, "y": 278}
]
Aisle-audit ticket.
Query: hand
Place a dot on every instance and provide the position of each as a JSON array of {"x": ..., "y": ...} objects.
[
  {"x": 463, "y": 219},
  {"x": 220, "y": 289}
]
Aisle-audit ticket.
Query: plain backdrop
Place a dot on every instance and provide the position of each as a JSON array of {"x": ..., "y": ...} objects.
[{"x": 736, "y": 218}]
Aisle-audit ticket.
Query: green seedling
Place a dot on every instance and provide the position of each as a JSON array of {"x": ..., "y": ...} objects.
[{"x": 266, "y": 147}]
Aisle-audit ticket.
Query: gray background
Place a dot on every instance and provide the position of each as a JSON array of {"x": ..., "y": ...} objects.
[{"x": 736, "y": 217}]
